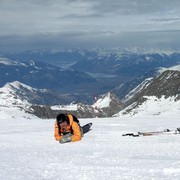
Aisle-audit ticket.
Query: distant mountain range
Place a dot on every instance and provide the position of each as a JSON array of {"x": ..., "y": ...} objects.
[
  {"x": 39, "y": 101},
  {"x": 19, "y": 92},
  {"x": 36, "y": 101},
  {"x": 37, "y": 81},
  {"x": 45, "y": 76},
  {"x": 81, "y": 73}
]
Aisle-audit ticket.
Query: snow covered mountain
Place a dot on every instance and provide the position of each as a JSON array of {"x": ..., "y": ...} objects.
[
  {"x": 40, "y": 101},
  {"x": 13, "y": 94},
  {"x": 68, "y": 57},
  {"x": 167, "y": 84},
  {"x": 109, "y": 66},
  {"x": 42, "y": 75},
  {"x": 14, "y": 101},
  {"x": 109, "y": 104},
  {"x": 113, "y": 66},
  {"x": 163, "y": 88},
  {"x": 124, "y": 89},
  {"x": 128, "y": 89},
  {"x": 19, "y": 93},
  {"x": 124, "y": 65},
  {"x": 33, "y": 100}
]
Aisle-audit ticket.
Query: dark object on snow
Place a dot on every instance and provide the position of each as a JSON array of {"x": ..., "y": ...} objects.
[
  {"x": 86, "y": 128},
  {"x": 156, "y": 133}
]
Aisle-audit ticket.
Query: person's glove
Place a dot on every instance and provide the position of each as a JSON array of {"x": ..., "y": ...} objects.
[{"x": 66, "y": 138}]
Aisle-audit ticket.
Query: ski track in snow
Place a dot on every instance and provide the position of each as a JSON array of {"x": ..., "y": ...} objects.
[{"x": 28, "y": 150}]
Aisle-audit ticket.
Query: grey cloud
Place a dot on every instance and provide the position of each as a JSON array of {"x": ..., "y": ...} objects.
[
  {"x": 88, "y": 23},
  {"x": 86, "y": 16},
  {"x": 127, "y": 7},
  {"x": 173, "y": 19},
  {"x": 154, "y": 39}
]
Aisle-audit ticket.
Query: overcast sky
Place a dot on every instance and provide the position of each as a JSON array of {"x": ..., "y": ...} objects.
[{"x": 55, "y": 24}]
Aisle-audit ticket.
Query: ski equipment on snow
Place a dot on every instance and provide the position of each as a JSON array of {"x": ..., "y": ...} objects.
[{"x": 155, "y": 133}]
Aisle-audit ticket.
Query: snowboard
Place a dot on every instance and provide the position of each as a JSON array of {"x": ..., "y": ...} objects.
[
  {"x": 155, "y": 133},
  {"x": 86, "y": 128}
]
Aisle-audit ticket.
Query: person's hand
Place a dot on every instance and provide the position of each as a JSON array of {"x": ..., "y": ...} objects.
[{"x": 66, "y": 138}]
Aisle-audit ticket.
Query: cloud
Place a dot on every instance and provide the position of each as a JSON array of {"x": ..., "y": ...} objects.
[
  {"x": 88, "y": 23},
  {"x": 135, "y": 7},
  {"x": 71, "y": 39}
]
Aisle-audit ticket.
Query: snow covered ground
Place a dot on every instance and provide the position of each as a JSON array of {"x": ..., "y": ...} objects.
[
  {"x": 153, "y": 106},
  {"x": 28, "y": 149}
]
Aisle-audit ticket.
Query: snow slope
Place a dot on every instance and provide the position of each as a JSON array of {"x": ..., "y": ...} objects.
[
  {"x": 153, "y": 106},
  {"x": 28, "y": 149},
  {"x": 15, "y": 94}
]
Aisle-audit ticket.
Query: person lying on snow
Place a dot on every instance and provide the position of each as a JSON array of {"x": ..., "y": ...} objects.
[{"x": 67, "y": 128}]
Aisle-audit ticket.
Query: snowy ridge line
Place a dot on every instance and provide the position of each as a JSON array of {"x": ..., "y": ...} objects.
[
  {"x": 7, "y": 61},
  {"x": 173, "y": 68},
  {"x": 137, "y": 89}
]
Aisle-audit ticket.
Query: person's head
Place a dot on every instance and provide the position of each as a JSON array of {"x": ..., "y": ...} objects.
[{"x": 62, "y": 120}]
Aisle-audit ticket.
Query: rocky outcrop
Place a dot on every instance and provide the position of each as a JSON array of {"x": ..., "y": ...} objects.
[
  {"x": 112, "y": 106},
  {"x": 167, "y": 84}
]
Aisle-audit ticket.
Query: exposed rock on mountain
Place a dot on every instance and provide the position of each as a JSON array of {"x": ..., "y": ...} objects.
[
  {"x": 30, "y": 99},
  {"x": 106, "y": 106},
  {"x": 123, "y": 89},
  {"x": 166, "y": 85},
  {"x": 109, "y": 104}
]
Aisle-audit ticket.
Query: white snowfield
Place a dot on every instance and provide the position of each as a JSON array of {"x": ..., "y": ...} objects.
[{"x": 28, "y": 149}]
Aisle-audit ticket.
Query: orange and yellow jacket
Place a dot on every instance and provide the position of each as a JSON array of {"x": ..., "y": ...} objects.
[{"x": 72, "y": 126}]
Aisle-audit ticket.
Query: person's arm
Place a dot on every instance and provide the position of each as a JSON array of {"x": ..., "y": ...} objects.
[
  {"x": 76, "y": 132},
  {"x": 56, "y": 132}
]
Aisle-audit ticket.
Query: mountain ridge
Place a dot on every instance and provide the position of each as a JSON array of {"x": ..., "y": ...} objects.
[
  {"x": 80, "y": 87},
  {"x": 165, "y": 86}
]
